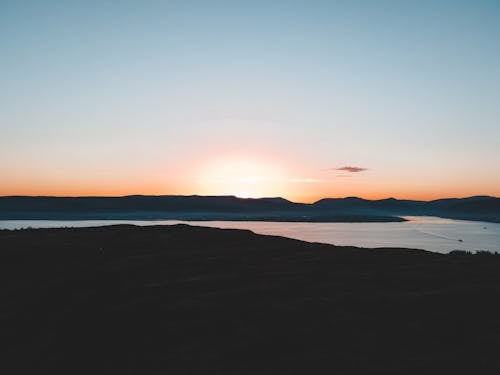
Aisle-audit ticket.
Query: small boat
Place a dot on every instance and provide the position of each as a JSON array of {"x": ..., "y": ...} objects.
[{"x": 460, "y": 240}]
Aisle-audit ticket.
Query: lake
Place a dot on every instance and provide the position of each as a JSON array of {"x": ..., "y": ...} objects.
[{"x": 429, "y": 233}]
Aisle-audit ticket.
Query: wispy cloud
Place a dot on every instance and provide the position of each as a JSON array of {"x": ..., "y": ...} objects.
[{"x": 350, "y": 169}]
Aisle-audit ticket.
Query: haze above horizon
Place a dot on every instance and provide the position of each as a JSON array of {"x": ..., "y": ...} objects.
[{"x": 296, "y": 99}]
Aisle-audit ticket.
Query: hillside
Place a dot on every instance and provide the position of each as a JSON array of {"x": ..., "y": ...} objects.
[
  {"x": 139, "y": 207},
  {"x": 193, "y": 300}
]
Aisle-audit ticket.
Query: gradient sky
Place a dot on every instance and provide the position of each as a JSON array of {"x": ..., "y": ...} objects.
[{"x": 252, "y": 98}]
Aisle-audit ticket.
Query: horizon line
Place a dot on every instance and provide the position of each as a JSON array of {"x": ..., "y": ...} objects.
[{"x": 241, "y": 198}]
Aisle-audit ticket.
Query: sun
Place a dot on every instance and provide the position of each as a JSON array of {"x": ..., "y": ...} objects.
[
  {"x": 244, "y": 177},
  {"x": 245, "y": 194}
]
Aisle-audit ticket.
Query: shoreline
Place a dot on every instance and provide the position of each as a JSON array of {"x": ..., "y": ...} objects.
[{"x": 429, "y": 233}]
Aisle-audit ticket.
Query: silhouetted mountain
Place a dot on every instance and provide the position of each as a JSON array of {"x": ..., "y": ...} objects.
[
  {"x": 342, "y": 203},
  {"x": 351, "y": 209},
  {"x": 389, "y": 206},
  {"x": 473, "y": 208},
  {"x": 142, "y": 203}
]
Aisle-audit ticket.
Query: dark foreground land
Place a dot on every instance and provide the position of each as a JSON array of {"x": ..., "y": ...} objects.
[{"x": 191, "y": 300}]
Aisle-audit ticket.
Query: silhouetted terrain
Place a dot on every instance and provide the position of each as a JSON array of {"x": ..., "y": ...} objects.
[
  {"x": 482, "y": 208},
  {"x": 193, "y": 300},
  {"x": 232, "y": 208}
]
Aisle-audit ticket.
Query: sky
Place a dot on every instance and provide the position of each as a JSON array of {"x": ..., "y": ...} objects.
[{"x": 301, "y": 99}]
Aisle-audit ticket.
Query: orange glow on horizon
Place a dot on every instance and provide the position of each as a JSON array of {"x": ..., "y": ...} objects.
[
  {"x": 239, "y": 174},
  {"x": 299, "y": 197},
  {"x": 252, "y": 192}
]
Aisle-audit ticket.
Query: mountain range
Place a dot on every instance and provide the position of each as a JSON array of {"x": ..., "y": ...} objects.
[{"x": 194, "y": 207}]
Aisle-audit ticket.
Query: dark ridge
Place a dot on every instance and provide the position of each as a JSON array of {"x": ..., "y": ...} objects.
[
  {"x": 196, "y": 207},
  {"x": 192, "y": 300}
]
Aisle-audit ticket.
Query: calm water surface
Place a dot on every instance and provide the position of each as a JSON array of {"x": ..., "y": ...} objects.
[{"x": 429, "y": 233}]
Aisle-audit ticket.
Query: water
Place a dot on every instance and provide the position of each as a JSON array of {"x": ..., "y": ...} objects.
[{"x": 429, "y": 233}]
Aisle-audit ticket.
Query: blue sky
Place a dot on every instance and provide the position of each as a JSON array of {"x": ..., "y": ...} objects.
[{"x": 97, "y": 96}]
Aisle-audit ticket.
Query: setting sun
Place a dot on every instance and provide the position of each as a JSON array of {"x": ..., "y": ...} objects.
[{"x": 244, "y": 177}]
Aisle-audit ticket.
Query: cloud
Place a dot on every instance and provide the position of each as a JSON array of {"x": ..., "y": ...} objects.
[{"x": 351, "y": 169}]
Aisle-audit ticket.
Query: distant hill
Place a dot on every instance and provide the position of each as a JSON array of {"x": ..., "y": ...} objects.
[
  {"x": 140, "y": 207},
  {"x": 482, "y": 208}
]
